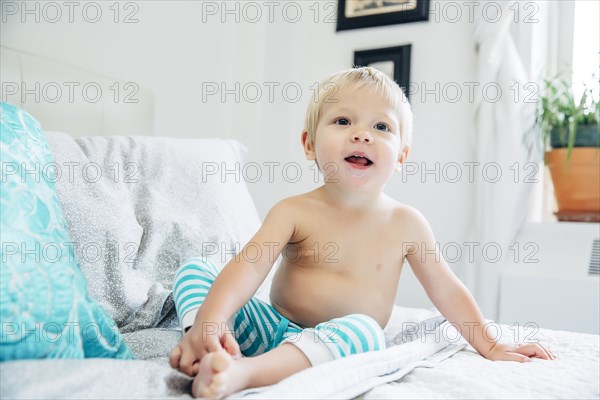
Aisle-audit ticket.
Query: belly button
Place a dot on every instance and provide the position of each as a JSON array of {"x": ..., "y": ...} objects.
[{"x": 379, "y": 266}]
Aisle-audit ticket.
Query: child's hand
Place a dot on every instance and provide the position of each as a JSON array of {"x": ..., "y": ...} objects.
[
  {"x": 520, "y": 352},
  {"x": 231, "y": 345},
  {"x": 195, "y": 344}
]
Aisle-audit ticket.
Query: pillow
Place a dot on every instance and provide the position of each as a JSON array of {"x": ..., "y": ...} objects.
[
  {"x": 139, "y": 207},
  {"x": 45, "y": 310}
]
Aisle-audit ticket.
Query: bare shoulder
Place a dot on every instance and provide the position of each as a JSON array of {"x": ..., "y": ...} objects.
[
  {"x": 292, "y": 208},
  {"x": 404, "y": 212},
  {"x": 293, "y": 204},
  {"x": 410, "y": 220}
]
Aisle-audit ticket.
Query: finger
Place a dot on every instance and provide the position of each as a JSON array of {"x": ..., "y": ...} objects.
[
  {"x": 232, "y": 346},
  {"x": 213, "y": 344},
  {"x": 547, "y": 350},
  {"x": 533, "y": 350},
  {"x": 195, "y": 367},
  {"x": 186, "y": 361},
  {"x": 174, "y": 357},
  {"x": 234, "y": 349},
  {"x": 516, "y": 357}
]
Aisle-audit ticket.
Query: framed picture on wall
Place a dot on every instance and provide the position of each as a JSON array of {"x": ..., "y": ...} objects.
[
  {"x": 356, "y": 14},
  {"x": 393, "y": 61}
]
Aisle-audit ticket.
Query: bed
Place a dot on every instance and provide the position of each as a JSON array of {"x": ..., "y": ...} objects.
[{"x": 172, "y": 209}]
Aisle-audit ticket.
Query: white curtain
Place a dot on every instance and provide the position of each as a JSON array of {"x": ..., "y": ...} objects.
[{"x": 502, "y": 205}]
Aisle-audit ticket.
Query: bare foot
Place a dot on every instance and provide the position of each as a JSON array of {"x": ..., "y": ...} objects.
[{"x": 219, "y": 376}]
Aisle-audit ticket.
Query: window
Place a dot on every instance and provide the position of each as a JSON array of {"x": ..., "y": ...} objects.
[
  {"x": 573, "y": 53},
  {"x": 586, "y": 47}
]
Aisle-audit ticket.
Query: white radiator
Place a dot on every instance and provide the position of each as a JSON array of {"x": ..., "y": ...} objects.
[{"x": 552, "y": 278}]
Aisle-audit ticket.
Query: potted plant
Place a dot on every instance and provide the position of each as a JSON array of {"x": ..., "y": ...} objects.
[{"x": 570, "y": 133}]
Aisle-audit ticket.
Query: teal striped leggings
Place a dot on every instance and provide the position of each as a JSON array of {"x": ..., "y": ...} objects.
[{"x": 258, "y": 327}]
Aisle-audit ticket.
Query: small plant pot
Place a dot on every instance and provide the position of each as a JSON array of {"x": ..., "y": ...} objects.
[{"x": 576, "y": 183}]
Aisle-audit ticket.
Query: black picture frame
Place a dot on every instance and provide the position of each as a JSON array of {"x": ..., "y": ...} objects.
[
  {"x": 381, "y": 14},
  {"x": 399, "y": 55}
]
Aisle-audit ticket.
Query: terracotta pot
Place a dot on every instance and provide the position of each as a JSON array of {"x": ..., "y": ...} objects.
[{"x": 576, "y": 183}]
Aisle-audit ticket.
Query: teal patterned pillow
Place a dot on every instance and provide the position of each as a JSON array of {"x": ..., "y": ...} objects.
[{"x": 45, "y": 310}]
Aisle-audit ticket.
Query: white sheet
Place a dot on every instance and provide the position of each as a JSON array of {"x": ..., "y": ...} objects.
[
  {"x": 351, "y": 376},
  {"x": 574, "y": 374},
  {"x": 445, "y": 366}
]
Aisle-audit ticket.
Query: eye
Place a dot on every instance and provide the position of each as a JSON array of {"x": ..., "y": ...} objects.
[
  {"x": 342, "y": 121},
  {"x": 382, "y": 127}
]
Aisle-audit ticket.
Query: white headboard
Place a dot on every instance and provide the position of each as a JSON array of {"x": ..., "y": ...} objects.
[{"x": 68, "y": 99}]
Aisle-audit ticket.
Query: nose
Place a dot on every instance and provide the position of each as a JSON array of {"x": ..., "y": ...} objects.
[{"x": 362, "y": 135}]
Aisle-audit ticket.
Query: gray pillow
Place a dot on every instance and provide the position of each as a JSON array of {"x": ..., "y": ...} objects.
[{"x": 138, "y": 207}]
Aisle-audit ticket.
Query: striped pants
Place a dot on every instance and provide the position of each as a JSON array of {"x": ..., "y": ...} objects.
[{"x": 258, "y": 327}]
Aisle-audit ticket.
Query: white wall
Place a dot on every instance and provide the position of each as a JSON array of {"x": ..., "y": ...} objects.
[{"x": 171, "y": 50}]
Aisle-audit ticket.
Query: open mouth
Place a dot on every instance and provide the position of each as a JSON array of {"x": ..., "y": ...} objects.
[{"x": 359, "y": 161}]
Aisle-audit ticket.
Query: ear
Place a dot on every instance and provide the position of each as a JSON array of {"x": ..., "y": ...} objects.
[
  {"x": 309, "y": 147},
  {"x": 402, "y": 157}
]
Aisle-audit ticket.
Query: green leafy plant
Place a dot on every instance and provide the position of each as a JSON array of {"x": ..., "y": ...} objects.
[{"x": 560, "y": 118}]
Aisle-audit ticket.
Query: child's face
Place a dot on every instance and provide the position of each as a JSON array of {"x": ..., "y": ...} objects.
[{"x": 360, "y": 123}]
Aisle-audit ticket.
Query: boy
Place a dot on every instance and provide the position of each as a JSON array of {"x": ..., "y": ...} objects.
[{"x": 349, "y": 240}]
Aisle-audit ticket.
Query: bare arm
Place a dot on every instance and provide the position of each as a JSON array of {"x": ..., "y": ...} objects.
[
  {"x": 455, "y": 302},
  {"x": 245, "y": 272},
  {"x": 232, "y": 288},
  {"x": 446, "y": 291}
]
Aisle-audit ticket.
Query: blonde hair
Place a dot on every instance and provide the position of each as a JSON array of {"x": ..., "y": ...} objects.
[{"x": 360, "y": 77}]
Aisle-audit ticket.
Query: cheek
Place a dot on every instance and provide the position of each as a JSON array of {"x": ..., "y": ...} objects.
[
  {"x": 392, "y": 151},
  {"x": 326, "y": 147}
]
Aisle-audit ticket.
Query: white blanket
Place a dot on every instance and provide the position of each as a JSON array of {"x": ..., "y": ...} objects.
[
  {"x": 466, "y": 374},
  {"x": 349, "y": 377},
  {"x": 574, "y": 374},
  {"x": 415, "y": 371}
]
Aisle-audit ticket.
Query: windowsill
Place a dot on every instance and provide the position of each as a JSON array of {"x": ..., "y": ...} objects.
[{"x": 561, "y": 226}]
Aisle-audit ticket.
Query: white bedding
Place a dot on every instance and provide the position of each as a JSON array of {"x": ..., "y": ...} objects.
[
  {"x": 574, "y": 374},
  {"x": 395, "y": 373},
  {"x": 447, "y": 374},
  {"x": 349, "y": 377},
  {"x": 445, "y": 366}
]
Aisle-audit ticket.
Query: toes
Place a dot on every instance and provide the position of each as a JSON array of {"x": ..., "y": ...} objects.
[
  {"x": 212, "y": 378},
  {"x": 216, "y": 389},
  {"x": 220, "y": 379},
  {"x": 212, "y": 392},
  {"x": 207, "y": 391},
  {"x": 221, "y": 361},
  {"x": 199, "y": 389}
]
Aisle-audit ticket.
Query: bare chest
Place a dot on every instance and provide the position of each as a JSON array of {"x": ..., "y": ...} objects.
[{"x": 353, "y": 249}]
